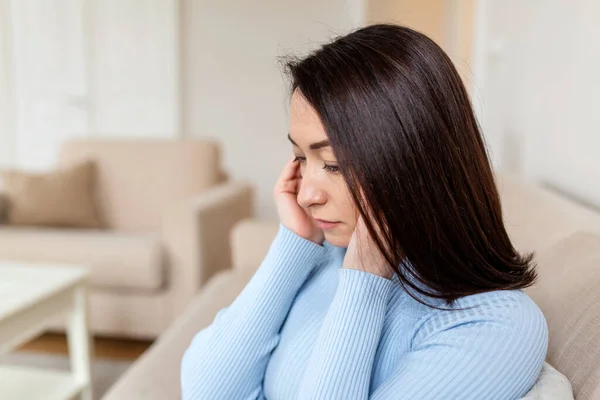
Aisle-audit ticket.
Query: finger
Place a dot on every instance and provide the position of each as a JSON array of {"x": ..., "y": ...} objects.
[
  {"x": 290, "y": 186},
  {"x": 363, "y": 234},
  {"x": 298, "y": 171},
  {"x": 289, "y": 171},
  {"x": 361, "y": 231}
]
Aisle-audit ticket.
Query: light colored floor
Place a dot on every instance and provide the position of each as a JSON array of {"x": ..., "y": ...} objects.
[
  {"x": 112, "y": 357},
  {"x": 107, "y": 348}
]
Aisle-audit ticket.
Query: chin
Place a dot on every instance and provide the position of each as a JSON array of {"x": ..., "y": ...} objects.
[{"x": 338, "y": 240}]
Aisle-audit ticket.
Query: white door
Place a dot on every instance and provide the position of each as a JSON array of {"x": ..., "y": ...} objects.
[
  {"x": 85, "y": 68},
  {"x": 48, "y": 78},
  {"x": 134, "y": 67}
]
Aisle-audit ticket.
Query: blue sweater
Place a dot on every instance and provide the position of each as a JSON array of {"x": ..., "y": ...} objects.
[{"x": 305, "y": 328}]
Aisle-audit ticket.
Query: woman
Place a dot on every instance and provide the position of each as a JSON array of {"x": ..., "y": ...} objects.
[{"x": 392, "y": 276}]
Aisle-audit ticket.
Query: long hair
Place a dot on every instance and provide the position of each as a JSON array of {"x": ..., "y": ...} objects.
[{"x": 404, "y": 133}]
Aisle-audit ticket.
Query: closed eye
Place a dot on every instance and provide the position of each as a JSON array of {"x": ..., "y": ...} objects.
[
  {"x": 331, "y": 168},
  {"x": 334, "y": 169}
]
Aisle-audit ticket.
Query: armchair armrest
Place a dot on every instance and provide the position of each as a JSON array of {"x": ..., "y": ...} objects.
[
  {"x": 196, "y": 234},
  {"x": 250, "y": 241}
]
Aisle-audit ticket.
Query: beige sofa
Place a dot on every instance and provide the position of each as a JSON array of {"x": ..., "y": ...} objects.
[
  {"x": 567, "y": 292},
  {"x": 169, "y": 211}
]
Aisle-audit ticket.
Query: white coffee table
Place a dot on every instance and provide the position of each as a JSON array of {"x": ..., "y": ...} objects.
[{"x": 31, "y": 296}]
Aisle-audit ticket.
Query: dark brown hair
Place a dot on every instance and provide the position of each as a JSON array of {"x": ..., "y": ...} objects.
[{"x": 411, "y": 152}]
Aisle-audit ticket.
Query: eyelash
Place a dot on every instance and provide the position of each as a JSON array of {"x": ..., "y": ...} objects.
[{"x": 329, "y": 168}]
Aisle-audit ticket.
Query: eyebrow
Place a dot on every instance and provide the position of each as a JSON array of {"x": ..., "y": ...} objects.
[{"x": 313, "y": 146}]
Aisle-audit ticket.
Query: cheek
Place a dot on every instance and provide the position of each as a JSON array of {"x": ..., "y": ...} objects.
[
  {"x": 344, "y": 205},
  {"x": 345, "y": 212}
]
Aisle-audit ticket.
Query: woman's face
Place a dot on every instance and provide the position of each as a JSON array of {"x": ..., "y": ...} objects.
[{"x": 323, "y": 192}]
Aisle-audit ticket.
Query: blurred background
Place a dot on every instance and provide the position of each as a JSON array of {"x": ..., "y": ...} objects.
[
  {"x": 201, "y": 68},
  {"x": 172, "y": 72}
]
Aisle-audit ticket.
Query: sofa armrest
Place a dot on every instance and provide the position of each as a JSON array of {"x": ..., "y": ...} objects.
[
  {"x": 196, "y": 235},
  {"x": 156, "y": 374},
  {"x": 250, "y": 241}
]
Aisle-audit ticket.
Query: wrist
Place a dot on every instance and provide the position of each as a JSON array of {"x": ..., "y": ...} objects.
[{"x": 365, "y": 284}]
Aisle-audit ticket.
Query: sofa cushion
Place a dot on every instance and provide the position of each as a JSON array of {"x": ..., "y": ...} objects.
[
  {"x": 115, "y": 260},
  {"x": 3, "y": 207},
  {"x": 61, "y": 198},
  {"x": 536, "y": 217},
  {"x": 550, "y": 385},
  {"x": 568, "y": 294}
]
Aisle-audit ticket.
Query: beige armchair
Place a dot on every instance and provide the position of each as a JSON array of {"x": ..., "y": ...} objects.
[{"x": 168, "y": 210}]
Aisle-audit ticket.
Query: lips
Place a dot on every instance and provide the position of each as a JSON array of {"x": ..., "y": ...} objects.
[{"x": 325, "y": 225}]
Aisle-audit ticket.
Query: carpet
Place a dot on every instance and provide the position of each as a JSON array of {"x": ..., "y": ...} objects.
[{"x": 105, "y": 372}]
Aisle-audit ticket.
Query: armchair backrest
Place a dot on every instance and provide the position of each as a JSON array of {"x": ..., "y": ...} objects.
[{"x": 139, "y": 178}]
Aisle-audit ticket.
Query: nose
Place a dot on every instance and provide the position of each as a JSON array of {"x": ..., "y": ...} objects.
[{"x": 310, "y": 194}]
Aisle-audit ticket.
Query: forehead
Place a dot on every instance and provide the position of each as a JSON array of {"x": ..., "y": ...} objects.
[{"x": 305, "y": 123}]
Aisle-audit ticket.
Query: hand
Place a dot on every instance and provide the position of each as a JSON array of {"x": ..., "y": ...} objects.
[
  {"x": 291, "y": 214},
  {"x": 364, "y": 255}
]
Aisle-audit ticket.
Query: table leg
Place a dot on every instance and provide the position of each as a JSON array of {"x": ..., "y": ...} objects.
[{"x": 78, "y": 338}]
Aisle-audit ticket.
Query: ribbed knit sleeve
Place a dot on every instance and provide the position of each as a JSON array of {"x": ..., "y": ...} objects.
[
  {"x": 227, "y": 360},
  {"x": 341, "y": 361},
  {"x": 495, "y": 350}
]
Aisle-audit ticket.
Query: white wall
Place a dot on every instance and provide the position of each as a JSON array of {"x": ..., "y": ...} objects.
[
  {"x": 538, "y": 90},
  {"x": 232, "y": 85}
]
